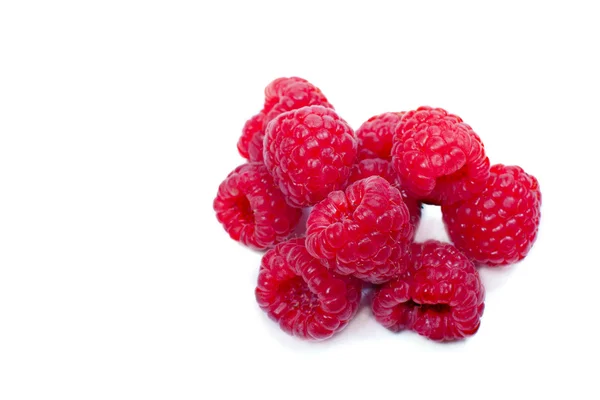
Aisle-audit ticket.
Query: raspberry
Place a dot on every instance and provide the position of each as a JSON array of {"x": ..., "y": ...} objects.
[
  {"x": 281, "y": 95},
  {"x": 252, "y": 209},
  {"x": 309, "y": 152},
  {"x": 499, "y": 226},
  {"x": 378, "y": 167},
  {"x": 373, "y": 167},
  {"x": 253, "y": 130},
  {"x": 439, "y": 297},
  {"x": 364, "y": 231},
  {"x": 439, "y": 158},
  {"x": 286, "y": 94},
  {"x": 255, "y": 147},
  {"x": 375, "y": 137},
  {"x": 304, "y": 297}
]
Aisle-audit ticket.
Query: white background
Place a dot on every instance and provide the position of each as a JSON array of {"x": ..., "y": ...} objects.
[{"x": 118, "y": 120}]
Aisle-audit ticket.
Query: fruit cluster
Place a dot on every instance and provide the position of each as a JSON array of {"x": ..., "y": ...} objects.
[{"x": 363, "y": 191}]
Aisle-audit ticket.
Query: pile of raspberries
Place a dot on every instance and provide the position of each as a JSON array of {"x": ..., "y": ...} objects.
[{"x": 363, "y": 192}]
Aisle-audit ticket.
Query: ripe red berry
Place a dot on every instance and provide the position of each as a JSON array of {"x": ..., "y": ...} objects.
[
  {"x": 440, "y": 296},
  {"x": 376, "y": 135},
  {"x": 286, "y": 94},
  {"x": 364, "y": 231},
  {"x": 362, "y": 195},
  {"x": 255, "y": 147},
  {"x": 439, "y": 159},
  {"x": 309, "y": 153},
  {"x": 252, "y": 132},
  {"x": 252, "y": 209},
  {"x": 304, "y": 297},
  {"x": 499, "y": 226},
  {"x": 379, "y": 167},
  {"x": 281, "y": 95},
  {"x": 373, "y": 167}
]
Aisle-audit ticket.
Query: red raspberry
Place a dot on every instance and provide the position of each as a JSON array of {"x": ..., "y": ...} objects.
[
  {"x": 281, "y": 95},
  {"x": 499, "y": 226},
  {"x": 255, "y": 147},
  {"x": 307, "y": 299},
  {"x": 378, "y": 167},
  {"x": 309, "y": 152},
  {"x": 286, "y": 94},
  {"x": 364, "y": 231},
  {"x": 253, "y": 131},
  {"x": 440, "y": 296},
  {"x": 375, "y": 137},
  {"x": 252, "y": 209},
  {"x": 373, "y": 167},
  {"x": 439, "y": 158}
]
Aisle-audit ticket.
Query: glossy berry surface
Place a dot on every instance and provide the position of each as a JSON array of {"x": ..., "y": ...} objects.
[
  {"x": 255, "y": 147},
  {"x": 252, "y": 133},
  {"x": 375, "y": 136},
  {"x": 281, "y": 95},
  {"x": 439, "y": 158},
  {"x": 383, "y": 168},
  {"x": 286, "y": 94},
  {"x": 338, "y": 209},
  {"x": 309, "y": 153},
  {"x": 440, "y": 296},
  {"x": 304, "y": 297},
  {"x": 364, "y": 231},
  {"x": 252, "y": 209},
  {"x": 499, "y": 226}
]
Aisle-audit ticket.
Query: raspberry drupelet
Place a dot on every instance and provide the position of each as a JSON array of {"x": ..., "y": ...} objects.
[
  {"x": 364, "y": 231},
  {"x": 281, "y": 95},
  {"x": 252, "y": 209},
  {"x": 309, "y": 153},
  {"x": 439, "y": 158},
  {"x": 305, "y": 298},
  {"x": 375, "y": 136},
  {"x": 499, "y": 226},
  {"x": 440, "y": 296}
]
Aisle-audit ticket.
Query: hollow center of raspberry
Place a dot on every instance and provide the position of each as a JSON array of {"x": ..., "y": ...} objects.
[
  {"x": 246, "y": 212},
  {"x": 296, "y": 293},
  {"x": 434, "y": 308},
  {"x": 448, "y": 180}
]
